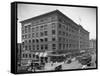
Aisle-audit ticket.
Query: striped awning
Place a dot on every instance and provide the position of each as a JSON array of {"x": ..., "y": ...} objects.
[
  {"x": 36, "y": 53},
  {"x": 41, "y": 54},
  {"x": 45, "y": 54}
]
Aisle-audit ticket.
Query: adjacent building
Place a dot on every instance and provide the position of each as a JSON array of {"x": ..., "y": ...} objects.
[{"x": 52, "y": 32}]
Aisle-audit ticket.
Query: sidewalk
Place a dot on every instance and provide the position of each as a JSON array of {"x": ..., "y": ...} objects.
[{"x": 48, "y": 66}]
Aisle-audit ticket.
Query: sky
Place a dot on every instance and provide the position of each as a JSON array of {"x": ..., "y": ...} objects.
[{"x": 80, "y": 15}]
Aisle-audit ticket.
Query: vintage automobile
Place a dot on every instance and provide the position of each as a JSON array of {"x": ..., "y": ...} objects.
[
  {"x": 58, "y": 68},
  {"x": 85, "y": 59}
]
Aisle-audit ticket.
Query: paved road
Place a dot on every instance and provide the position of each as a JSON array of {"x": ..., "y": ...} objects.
[{"x": 73, "y": 65}]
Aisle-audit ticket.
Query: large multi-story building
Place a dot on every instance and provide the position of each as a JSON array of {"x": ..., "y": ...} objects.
[{"x": 52, "y": 32}]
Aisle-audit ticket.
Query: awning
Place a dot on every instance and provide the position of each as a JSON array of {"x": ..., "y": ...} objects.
[
  {"x": 45, "y": 54},
  {"x": 36, "y": 53},
  {"x": 41, "y": 54}
]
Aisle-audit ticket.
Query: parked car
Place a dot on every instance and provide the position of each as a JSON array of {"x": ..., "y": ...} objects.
[
  {"x": 58, "y": 68},
  {"x": 69, "y": 61},
  {"x": 84, "y": 60}
]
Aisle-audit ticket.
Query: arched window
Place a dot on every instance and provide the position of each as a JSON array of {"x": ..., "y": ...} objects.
[
  {"x": 33, "y": 55},
  {"x": 33, "y": 41},
  {"x": 29, "y": 55},
  {"x": 41, "y": 40},
  {"x": 37, "y": 40},
  {"x": 41, "y": 47}
]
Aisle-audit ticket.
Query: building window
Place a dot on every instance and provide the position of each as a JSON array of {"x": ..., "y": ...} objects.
[
  {"x": 29, "y": 47},
  {"x": 53, "y": 39},
  {"x": 41, "y": 47},
  {"x": 29, "y": 55},
  {"x": 63, "y": 46},
  {"x": 53, "y": 32},
  {"x": 66, "y": 34},
  {"x": 37, "y": 28},
  {"x": 53, "y": 25},
  {"x": 25, "y": 29},
  {"x": 59, "y": 26},
  {"x": 29, "y": 28},
  {"x": 26, "y": 47},
  {"x": 46, "y": 39},
  {"x": 33, "y": 47},
  {"x": 63, "y": 33},
  {"x": 41, "y": 33},
  {"x": 46, "y": 46},
  {"x": 66, "y": 40},
  {"x": 25, "y": 41},
  {"x": 32, "y": 34},
  {"x": 63, "y": 26},
  {"x": 66, "y": 28},
  {"x": 59, "y": 33},
  {"x": 59, "y": 39},
  {"x": 41, "y": 40},
  {"x": 37, "y": 47},
  {"x": 66, "y": 45},
  {"x": 29, "y": 35},
  {"x": 23, "y": 36},
  {"x": 63, "y": 39},
  {"x": 45, "y": 33},
  {"x": 45, "y": 27},
  {"x": 41, "y": 27},
  {"x": 59, "y": 46},
  {"x": 53, "y": 18},
  {"x": 23, "y": 55},
  {"x": 26, "y": 36},
  {"x": 53, "y": 46},
  {"x": 37, "y": 40},
  {"x": 22, "y": 31},
  {"x": 69, "y": 45},
  {"x": 33, "y": 29},
  {"x": 33, "y": 55},
  {"x": 41, "y": 20},
  {"x": 36, "y": 34},
  {"x": 26, "y": 55},
  {"x": 29, "y": 41},
  {"x": 33, "y": 41}
]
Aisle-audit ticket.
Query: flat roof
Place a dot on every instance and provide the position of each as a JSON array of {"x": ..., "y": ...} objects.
[{"x": 48, "y": 13}]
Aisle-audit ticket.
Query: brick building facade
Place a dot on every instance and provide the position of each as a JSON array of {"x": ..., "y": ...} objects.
[{"x": 52, "y": 32}]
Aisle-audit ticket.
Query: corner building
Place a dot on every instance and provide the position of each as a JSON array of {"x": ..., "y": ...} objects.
[{"x": 50, "y": 32}]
